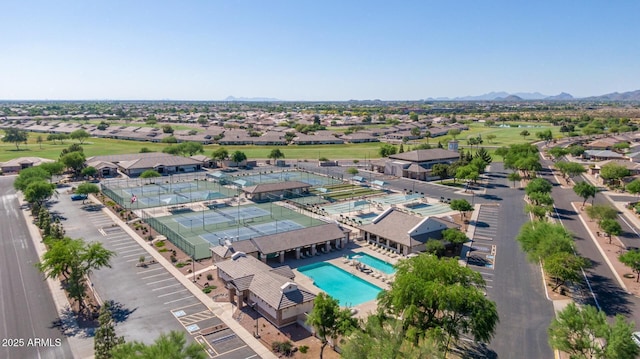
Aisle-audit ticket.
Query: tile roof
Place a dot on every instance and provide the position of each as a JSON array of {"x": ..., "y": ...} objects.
[
  {"x": 426, "y": 155},
  {"x": 298, "y": 238},
  {"x": 397, "y": 225}
]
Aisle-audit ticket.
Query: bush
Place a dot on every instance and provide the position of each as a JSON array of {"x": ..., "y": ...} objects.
[
  {"x": 173, "y": 259},
  {"x": 160, "y": 244},
  {"x": 285, "y": 348},
  {"x": 179, "y": 265},
  {"x": 303, "y": 349},
  {"x": 207, "y": 290},
  {"x": 162, "y": 250},
  {"x": 209, "y": 276}
]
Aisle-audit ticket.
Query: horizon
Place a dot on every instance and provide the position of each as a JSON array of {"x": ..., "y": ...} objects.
[{"x": 314, "y": 52}]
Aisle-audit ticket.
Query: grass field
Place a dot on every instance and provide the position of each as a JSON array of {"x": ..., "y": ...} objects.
[{"x": 360, "y": 151}]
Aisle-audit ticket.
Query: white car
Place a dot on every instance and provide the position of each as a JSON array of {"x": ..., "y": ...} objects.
[{"x": 636, "y": 338}]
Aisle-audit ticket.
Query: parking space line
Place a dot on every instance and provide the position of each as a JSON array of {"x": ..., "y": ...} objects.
[
  {"x": 165, "y": 287},
  {"x": 172, "y": 293},
  {"x": 186, "y": 306},
  {"x": 177, "y": 300},
  {"x": 163, "y": 280},
  {"x": 155, "y": 275},
  {"x": 131, "y": 250},
  {"x": 135, "y": 254},
  {"x": 150, "y": 270},
  {"x": 125, "y": 245},
  {"x": 235, "y": 349},
  {"x": 119, "y": 240}
]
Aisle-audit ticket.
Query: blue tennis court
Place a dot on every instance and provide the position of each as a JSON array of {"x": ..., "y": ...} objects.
[
  {"x": 227, "y": 215},
  {"x": 251, "y": 231}
]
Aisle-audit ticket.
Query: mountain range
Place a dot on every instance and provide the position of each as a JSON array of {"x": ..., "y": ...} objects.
[{"x": 527, "y": 96}]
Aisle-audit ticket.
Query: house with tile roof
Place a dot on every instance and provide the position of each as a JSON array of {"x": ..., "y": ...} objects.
[
  {"x": 415, "y": 164},
  {"x": 163, "y": 163},
  {"x": 270, "y": 291},
  {"x": 404, "y": 233}
]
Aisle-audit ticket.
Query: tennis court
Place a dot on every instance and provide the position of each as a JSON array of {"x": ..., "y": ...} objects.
[
  {"x": 165, "y": 193},
  {"x": 248, "y": 231},
  {"x": 217, "y": 216},
  {"x": 428, "y": 209},
  {"x": 346, "y": 207},
  {"x": 396, "y": 199}
]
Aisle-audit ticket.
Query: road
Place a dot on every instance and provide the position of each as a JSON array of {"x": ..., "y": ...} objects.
[
  {"x": 26, "y": 305},
  {"x": 606, "y": 292},
  {"x": 524, "y": 311}
]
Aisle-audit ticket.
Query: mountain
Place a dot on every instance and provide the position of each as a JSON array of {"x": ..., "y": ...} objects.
[
  {"x": 498, "y": 96},
  {"x": 510, "y": 98},
  {"x": 251, "y": 99},
  {"x": 562, "y": 96},
  {"x": 616, "y": 96}
]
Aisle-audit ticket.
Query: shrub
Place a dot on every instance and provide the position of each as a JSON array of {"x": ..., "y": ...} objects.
[
  {"x": 162, "y": 250},
  {"x": 285, "y": 348},
  {"x": 303, "y": 349},
  {"x": 160, "y": 244},
  {"x": 173, "y": 259},
  {"x": 180, "y": 264},
  {"x": 209, "y": 276},
  {"x": 207, "y": 290}
]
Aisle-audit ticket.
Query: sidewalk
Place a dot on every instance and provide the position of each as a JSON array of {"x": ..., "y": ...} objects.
[
  {"x": 224, "y": 311},
  {"x": 80, "y": 342}
]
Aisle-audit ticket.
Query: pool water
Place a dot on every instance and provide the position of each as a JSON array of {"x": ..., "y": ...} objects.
[
  {"x": 348, "y": 289},
  {"x": 374, "y": 262}
]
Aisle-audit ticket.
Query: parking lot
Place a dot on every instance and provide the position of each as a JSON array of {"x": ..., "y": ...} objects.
[
  {"x": 148, "y": 300},
  {"x": 482, "y": 256}
]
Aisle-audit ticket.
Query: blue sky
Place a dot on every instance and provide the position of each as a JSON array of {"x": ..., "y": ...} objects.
[{"x": 315, "y": 50}]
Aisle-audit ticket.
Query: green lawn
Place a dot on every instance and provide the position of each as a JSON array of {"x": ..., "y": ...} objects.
[{"x": 359, "y": 151}]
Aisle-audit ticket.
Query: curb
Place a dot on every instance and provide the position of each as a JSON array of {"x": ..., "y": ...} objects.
[{"x": 602, "y": 253}]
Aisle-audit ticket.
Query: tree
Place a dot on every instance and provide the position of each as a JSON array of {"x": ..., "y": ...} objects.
[
  {"x": 621, "y": 146},
  {"x": 387, "y": 339},
  {"x": 352, "y": 171},
  {"x": 74, "y": 259},
  {"x": 89, "y": 171},
  {"x": 87, "y": 188},
  {"x": 545, "y": 135},
  {"x": 440, "y": 170},
  {"x": 613, "y": 172},
  {"x": 169, "y": 139},
  {"x": 541, "y": 199},
  {"x": 150, "y": 174},
  {"x": 435, "y": 247},
  {"x": 202, "y": 121},
  {"x": 461, "y": 205},
  {"x": 437, "y": 294},
  {"x": 541, "y": 240},
  {"x": 538, "y": 185},
  {"x": 72, "y": 148},
  {"x": 80, "y": 135},
  {"x": 633, "y": 187},
  {"x": 238, "y": 157},
  {"x": 172, "y": 345},
  {"x": 601, "y": 212},
  {"x": 52, "y": 168},
  {"x": 105, "y": 338},
  {"x": 632, "y": 260},
  {"x": 190, "y": 148},
  {"x": 455, "y": 237},
  {"x": 145, "y": 150},
  {"x": 387, "y": 150},
  {"x": 490, "y": 137},
  {"x": 220, "y": 154},
  {"x": 276, "y": 154},
  {"x": 585, "y": 190},
  {"x": 172, "y": 150},
  {"x": 585, "y": 333},
  {"x": 167, "y": 129},
  {"x": 610, "y": 227},
  {"x": 29, "y": 175},
  {"x": 15, "y": 136},
  {"x": 557, "y": 152},
  {"x": 415, "y": 131},
  {"x": 329, "y": 320},
  {"x": 484, "y": 155},
  {"x": 514, "y": 177},
  {"x": 39, "y": 141},
  {"x": 524, "y": 134},
  {"x": 39, "y": 192},
  {"x": 74, "y": 161},
  {"x": 454, "y": 133},
  {"x": 564, "y": 267},
  {"x": 570, "y": 169},
  {"x": 539, "y": 212}
]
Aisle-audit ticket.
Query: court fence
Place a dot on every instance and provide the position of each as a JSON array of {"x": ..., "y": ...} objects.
[{"x": 195, "y": 247}]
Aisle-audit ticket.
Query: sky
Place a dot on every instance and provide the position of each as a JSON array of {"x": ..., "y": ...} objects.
[{"x": 315, "y": 50}]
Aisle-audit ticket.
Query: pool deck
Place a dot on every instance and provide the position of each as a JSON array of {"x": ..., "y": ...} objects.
[{"x": 338, "y": 259}]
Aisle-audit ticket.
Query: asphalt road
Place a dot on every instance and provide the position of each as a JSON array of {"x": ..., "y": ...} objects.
[
  {"x": 524, "y": 311},
  {"x": 604, "y": 291},
  {"x": 26, "y": 306}
]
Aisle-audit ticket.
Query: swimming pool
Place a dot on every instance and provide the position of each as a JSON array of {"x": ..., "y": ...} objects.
[
  {"x": 348, "y": 289},
  {"x": 374, "y": 262}
]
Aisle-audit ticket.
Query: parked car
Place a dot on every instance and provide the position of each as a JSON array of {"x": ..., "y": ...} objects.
[{"x": 78, "y": 197}]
